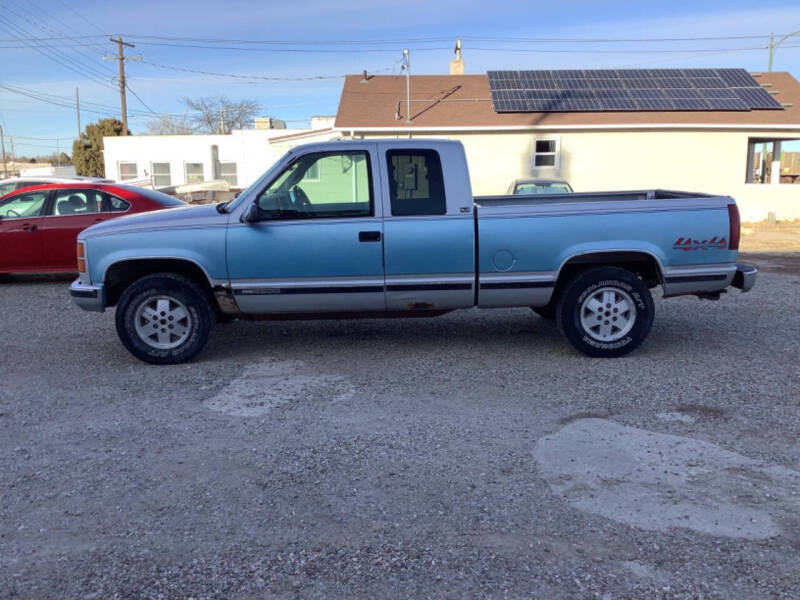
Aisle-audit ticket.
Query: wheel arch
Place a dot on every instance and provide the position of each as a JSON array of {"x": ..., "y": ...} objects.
[
  {"x": 643, "y": 263},
  {"x": 120, "y": 274}
]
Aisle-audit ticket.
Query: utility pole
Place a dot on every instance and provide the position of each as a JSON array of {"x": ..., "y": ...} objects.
[
  {"x": 13, "y": 156},
  {"x": 3, "y": 144},
  {"x": 773, "y": 45},
  {"x": 122, "y": 58},
  {"x": 222, "y": 121},
  {"x": 407, "y": 68},
  {"x": 78, "y": 110}
]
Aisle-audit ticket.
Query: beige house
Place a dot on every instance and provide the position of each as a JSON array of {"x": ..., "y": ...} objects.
[{"x": 718, "y": 152}]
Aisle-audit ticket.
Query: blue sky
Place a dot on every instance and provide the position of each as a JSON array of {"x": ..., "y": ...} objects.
[{"x": 428, "y": 28}]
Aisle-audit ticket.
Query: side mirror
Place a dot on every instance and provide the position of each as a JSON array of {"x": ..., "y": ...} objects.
[{"x": 251, "y": 215}]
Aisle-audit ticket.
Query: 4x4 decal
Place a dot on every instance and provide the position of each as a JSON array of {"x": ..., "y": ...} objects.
[{"x": 689, "y": 243}]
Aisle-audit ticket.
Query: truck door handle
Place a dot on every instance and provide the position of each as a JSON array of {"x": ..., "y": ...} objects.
[
  {"x": 369, "y": 236},
  {"x": 27, "y": 227}
]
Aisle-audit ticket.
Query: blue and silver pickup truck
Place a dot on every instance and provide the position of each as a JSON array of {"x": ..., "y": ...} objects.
[{"x": 390, "y": 228}]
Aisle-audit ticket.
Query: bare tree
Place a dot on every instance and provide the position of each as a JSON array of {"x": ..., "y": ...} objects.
[
  {"x": 171, "y": 125},
  {"x": 218, "y": 114}
]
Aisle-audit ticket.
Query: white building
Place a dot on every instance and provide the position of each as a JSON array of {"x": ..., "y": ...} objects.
[
  {"x": 174, "y": 160},
  {"x": 746, "y": 154}
]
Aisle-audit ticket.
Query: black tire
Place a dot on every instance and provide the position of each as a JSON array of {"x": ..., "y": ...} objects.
[
  {"x": 548, "y": 311},
  {"x": 624, "y": 331},
  {"x": 191, "y": 332}
]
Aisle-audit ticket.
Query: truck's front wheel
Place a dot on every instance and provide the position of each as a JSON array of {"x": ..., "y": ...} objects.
[
  {"x": 605, "y": 312},
  {"x": 164, "y": 318}
]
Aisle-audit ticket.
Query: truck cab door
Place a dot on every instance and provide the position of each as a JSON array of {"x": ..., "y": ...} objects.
[
  {"x": 313, "y": 238},
  {"x": 429, "y": 228}
]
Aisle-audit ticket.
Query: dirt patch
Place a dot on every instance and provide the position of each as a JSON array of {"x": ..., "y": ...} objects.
[
  {"x": 787, "y": 263},
  {"x": 701, "y": 410},
  {"x": 766, "y": 237}
]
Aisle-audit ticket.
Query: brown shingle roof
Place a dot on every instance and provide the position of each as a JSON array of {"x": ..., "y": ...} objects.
[{"x": 463, "y": 101}]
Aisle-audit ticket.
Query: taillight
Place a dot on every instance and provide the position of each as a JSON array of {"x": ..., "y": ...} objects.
[
  {"x": 81, "y": 259},
  {"x": 736, "y": 227}
]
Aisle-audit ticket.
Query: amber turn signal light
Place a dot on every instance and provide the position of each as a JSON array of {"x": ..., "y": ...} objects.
[{"x": 81, "y": 259}]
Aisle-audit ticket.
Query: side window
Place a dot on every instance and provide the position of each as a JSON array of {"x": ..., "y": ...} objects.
[
  {"x": 76, "y": 202},
  {"x": 320, "y": 185},
  {"x": 161, "y": 174},
  {"x": 23, "y": 205},
  {"x": 194, "y": 172},
  {"x": 126, "y": 170},
  {"x": 114, "y": 204},
  {"x": 416, "y": 184},
  {"x": 227, "y": 171}
]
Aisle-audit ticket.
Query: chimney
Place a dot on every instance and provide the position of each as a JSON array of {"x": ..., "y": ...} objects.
[{"x": 457, "y": 65}]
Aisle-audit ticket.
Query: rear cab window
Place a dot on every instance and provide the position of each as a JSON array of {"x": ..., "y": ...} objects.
[
  {"x": 416, "y": 182},
  {"x": 114, "y": 204}
]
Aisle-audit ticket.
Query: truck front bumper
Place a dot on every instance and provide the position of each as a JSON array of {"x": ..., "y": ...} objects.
[
  {"x": 88, "y": 297},
  {"x": 745, "y": 277}
]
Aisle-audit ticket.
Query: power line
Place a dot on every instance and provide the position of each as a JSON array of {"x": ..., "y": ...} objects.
[
  {"x": 256, "y": 77},
  {"x": 80, "y": 16},
  {"x": 48, "y": 52},
  {"x": 96, "y": 71},
  {"x": 139, "y": 99},
  {"x": 564, "y": 40}
]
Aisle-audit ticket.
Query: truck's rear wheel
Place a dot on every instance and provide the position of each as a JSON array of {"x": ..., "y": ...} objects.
[
  {"x": 164, "y": 318},
  {"x": 605, "y": 312}
]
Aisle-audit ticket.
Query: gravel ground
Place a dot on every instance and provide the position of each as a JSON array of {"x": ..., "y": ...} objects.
[{"x": 471, "y": 456}]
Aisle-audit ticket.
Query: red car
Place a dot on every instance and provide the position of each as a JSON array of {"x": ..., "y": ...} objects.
[{"x": 39, "y": 225}]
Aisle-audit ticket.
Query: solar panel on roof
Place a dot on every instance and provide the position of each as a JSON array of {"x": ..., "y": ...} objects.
[
  {"x": 569, "y": 90},
  {"x": 757, "y": 98}
]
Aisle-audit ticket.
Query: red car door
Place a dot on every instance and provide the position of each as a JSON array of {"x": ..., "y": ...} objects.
[
  {"x": 69, "y": 212},
  {"x": 20, "y": 231}
]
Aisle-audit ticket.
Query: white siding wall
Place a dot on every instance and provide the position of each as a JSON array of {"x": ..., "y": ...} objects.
[
  {"x": 712, "y": 162},
  {"x": 249, "y": 149}
]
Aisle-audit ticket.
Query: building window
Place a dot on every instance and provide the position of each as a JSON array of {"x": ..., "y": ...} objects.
[
  {"x": 771, "y": 160},
  {"x": 126, "y": 170},
  {"x": 545, "y": 153},
  {"x": 194, "y": 173},
  {"x": 227, "y": 171},
  {"x": 313, "y": 173},
  {"x": 161, "y": 174}
]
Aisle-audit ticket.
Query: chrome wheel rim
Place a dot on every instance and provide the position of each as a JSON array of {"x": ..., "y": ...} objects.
[
  {"x": 162, "y": 322},
  {"x": 608, "y": 314}
]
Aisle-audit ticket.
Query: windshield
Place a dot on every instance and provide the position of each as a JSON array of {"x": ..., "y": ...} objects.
[{"x": 543, "y": 187}]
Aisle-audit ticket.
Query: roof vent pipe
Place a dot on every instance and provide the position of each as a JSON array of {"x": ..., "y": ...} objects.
[{"x": 457, "y": 65}]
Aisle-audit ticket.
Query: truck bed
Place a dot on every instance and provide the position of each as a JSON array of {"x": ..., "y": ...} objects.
[{"x": 629, "y": 196}]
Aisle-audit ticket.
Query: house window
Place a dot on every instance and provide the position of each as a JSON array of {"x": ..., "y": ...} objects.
[
  {"x": 545, "y": 153},
  {"x": 126, "y": 170},
  {"x": 313, "y": 173},
  {"x": 771, "y": 160},
  {"x": 161, "y": 174},
  {"x": 194, "y": 173},
  {"x": 227, "y": 171}
]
